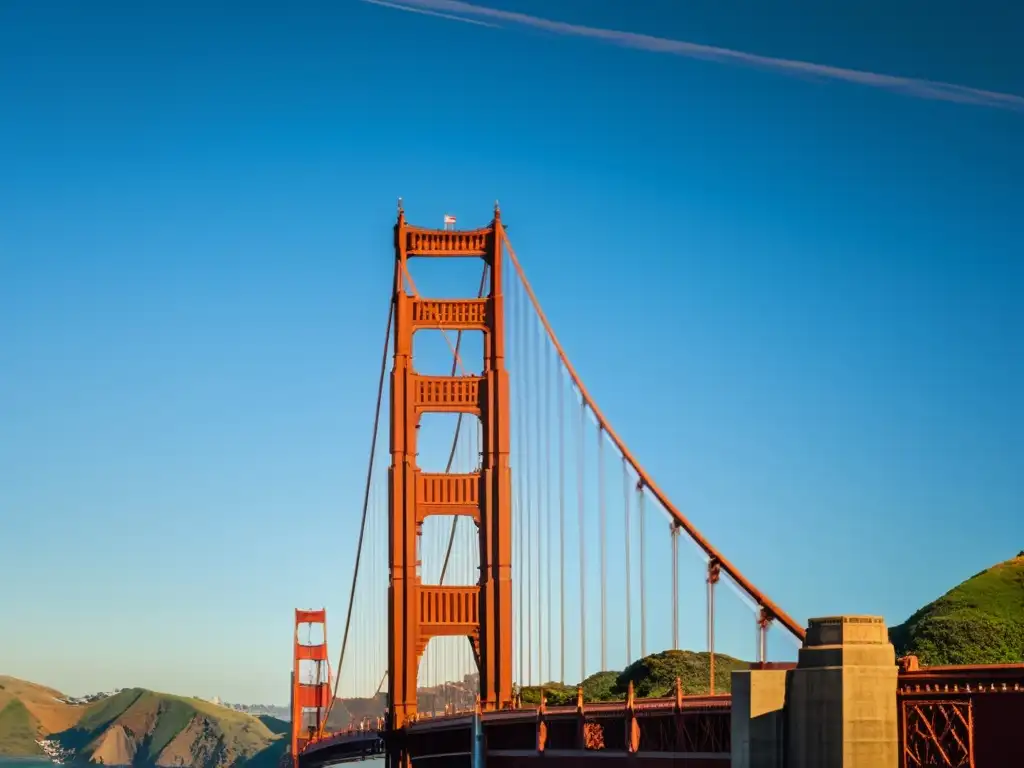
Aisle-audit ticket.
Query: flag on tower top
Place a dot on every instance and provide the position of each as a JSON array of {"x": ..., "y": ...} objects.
[{"x": 449, "y": 220}]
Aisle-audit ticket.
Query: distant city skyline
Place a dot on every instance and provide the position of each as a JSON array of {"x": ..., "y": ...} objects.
[{"x": 795, "y": 293}]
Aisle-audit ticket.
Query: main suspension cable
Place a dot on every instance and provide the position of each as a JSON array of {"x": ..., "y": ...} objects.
[
  {"x": 366, "y": 498},
  {"x": 745, "y": 584}
]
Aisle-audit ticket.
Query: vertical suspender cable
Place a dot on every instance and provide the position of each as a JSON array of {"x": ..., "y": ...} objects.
[
  {"x": 561, "y": 517},
  {"x": 583, "y": 554},
  {"x": 517, "y": 582},
  {"x": 528, "y": 496},
  {"x": 763, "y": 622},
  {"x": 629, "y": 615},
  {"x": 643, "y": 561},
  {"x": 537, "y": 505},
  {"x": 603, "y": 547},
  {"x": 714, "y": 573},
  {"x": 711, "y": 635},
  {"x": 548, "y": 506},
  {"x": 525, "y": 502},
  {"x": 519, "y": 509},
  {"x": 675, "y": 585}
]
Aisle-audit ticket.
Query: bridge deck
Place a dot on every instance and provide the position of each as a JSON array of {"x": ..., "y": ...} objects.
[{"x": 518, "y": 727}]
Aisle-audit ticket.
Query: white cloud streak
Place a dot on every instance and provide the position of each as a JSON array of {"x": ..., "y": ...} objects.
[
  {"x": 428, "y": 12},
  {"x": 923, "y": 89}
]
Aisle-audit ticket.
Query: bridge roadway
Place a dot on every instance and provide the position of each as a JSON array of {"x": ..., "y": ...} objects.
[
  {"x": 343, "y": 747},
  {"x": 694, "y": 729}
]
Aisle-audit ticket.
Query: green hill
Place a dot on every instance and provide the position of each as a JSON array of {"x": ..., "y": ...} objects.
[
  {"x": 142, "y": 728},
  {"x": 134, "y": 727},
  {"x": 42, "y": 709},
  {"x": 275, "y": 724},
  {"x": 980, "y": 621},
  {"x": 18, "y": 731},
  {"x": 656, "y": 675},
  {"x": 652, "y": 676}
]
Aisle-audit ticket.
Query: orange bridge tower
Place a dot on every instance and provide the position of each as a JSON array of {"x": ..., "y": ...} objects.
[
  {"x": 417, "y": 611},
  {"x": 311, "y": 682}
]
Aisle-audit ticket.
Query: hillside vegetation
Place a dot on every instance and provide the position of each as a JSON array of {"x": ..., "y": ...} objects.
[
  {"x": 652, "y": 676},
  {"x": 134, "y": 727},
  {"x": 980, "y": 621},
  {"x": 140, "y": 727},
  {"x": 44, "y": 704},
  {"x": 18, "y": 731}
]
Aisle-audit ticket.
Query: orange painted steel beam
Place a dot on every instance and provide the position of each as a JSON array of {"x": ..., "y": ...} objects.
[
  {"x": 448, "y": 493},
  {"x": 311, "y": 652},
  {"x": 451, "y": 314},
  {"x": 310, "y": 617},
  {"x": 417, "y": 612},
  {"x": 745, "y": 584}
]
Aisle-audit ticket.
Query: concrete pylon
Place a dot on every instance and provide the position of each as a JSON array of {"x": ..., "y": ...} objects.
[
  {"x": 841, "y": 699},
  {"x": 758, "y": 718}
]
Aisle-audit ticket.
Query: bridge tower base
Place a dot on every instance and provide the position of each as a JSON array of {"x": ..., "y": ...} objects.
[
  {"x": 757, "y": 722},
  {"x": 836, "y": 709},
  {"x": 842, "y": 696}
]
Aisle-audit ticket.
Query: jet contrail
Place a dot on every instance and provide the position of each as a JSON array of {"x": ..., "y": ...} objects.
[
  {"x": 923, "y": 89},
  {"x": 428, "y": 12}
]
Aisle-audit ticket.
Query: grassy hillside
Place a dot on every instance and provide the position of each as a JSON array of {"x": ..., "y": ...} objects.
[
  {"x": 136, "y": 727},
  {"x": 44, "y": 704},
  {"x": 141, "y": 727},
  {"x": 271, "y": 755},
  {"x": 28, "y": 712},
  {"x": 275, "y": 724},
  {"x": 98, "y": 716},
  {"x": 652, "y": 676},
  {"x": 18, "y": 731},
  {"x": 656, "y": 675},
  {"x": 980, "y": 621}
]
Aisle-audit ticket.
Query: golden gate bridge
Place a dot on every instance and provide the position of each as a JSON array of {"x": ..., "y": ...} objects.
[
  {"x": 536, "y": 549},
  {"x": 512, "y": 551}
]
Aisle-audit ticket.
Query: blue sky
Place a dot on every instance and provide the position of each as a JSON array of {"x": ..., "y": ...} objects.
[{"x": 796, "y": 297}]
